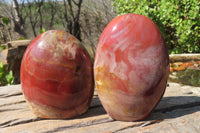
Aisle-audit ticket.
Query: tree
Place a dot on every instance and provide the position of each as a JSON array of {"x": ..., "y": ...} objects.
[
  {"x": 35, "y": 14},
  {"x": 5, "y": 27},
  {"x": 95, "y": 15},
  {"x": 39, "y": 4},
  {"x": 68, "y": 13},
  {"x": 13, "y": 12},
  {"x": 17, "y": 18},
  {"x": 33, "y": 17},
  {"x": 53, "y": 10},
  {"x": 178, "y": 20},
  {"x": 71, "y": 17}
]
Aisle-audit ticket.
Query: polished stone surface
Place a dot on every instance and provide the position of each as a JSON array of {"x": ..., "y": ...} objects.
[
  {"x": 131, "y": 67},
  {"x": 57, "y": 75}
]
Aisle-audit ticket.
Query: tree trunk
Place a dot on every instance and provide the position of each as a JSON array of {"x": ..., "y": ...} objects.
[
  {"x": 17, "y": 19},
  {"x": 39, "y": 4},
  {"x": 72, "y": 24}
]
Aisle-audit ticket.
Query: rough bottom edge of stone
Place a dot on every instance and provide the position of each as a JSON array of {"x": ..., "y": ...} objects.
[{"x": 44, "y": 111}]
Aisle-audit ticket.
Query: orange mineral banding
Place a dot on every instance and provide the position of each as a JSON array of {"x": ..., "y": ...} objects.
[
  {"x": 57, "y": 76},
  {"x": 131, "y": 67}
]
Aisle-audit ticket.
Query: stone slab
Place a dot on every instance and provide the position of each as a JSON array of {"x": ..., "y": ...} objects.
[
  {"x": 184, "y": 57},
  {"x": 178, "y": 111}
]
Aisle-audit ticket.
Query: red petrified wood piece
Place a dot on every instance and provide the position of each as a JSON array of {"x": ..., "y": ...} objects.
[
  {"x": 131, "y": 67},
  {"x": 57, "y": 76}
]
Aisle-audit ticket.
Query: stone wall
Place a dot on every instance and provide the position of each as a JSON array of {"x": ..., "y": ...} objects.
[{"x": 13, "y": 55}]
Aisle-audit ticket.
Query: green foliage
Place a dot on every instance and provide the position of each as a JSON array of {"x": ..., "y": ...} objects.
[
  {"x": 42, "y": 30},
  {"x": 6, "y": 77},
  {"x": 5, "y": 20},
  {"x": 21, "y": 38},
  {"x": 178, "y": 20},
  {"x": 2, "y": 47}
]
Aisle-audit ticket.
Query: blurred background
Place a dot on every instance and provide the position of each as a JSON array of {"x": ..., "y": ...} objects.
[{"x": 22, "y": 20}]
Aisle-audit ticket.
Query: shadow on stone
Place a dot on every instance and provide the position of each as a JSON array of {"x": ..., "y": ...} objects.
[
  {"x": 174, "y": 107},
  {"x": 95, "y": 109},
  {"x": 168, "y": 108}
]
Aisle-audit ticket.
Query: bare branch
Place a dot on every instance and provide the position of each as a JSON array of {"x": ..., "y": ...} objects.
[
  {"x": 33, "y": 21},
  {"x": 54, "y": 9},
  {"x": 75, "y": 2},
  {"x": 71, "y": 8},
  {"x": 79, "y": 10}
]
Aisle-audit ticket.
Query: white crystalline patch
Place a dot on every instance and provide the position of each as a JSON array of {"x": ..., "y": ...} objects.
[
  {"x": 121, "y": 70},
  {"x": 147, "y": 65},
  {"x": 112, "y": 62},
  {"x": 148, "y": 56},
  {"x": 122, "y": 45},
  {"x": 122, "y": 31},
  {"x": 109, "y": 59},
  {"x": 58, "y": 48},
  {"x": 71, "y": 49},
  {"x": 98, "y": 82},
  {"x": 100, "y": 59}
]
